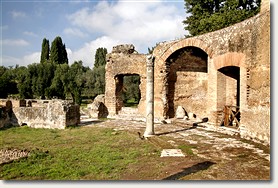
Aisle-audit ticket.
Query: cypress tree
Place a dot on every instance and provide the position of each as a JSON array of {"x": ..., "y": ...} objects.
[
  {"x": 100, "y": 57},
  {"x": 58, "y": 53},
  {"x": 45, "y": 50}
]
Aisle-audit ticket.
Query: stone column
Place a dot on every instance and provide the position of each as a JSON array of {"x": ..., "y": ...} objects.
[{"x": 150, "y": 97}]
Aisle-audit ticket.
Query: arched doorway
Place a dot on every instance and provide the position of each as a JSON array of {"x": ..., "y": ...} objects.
[
  {"x": 187, "y": 80},
  {"x": 127, "y": 91},
  {"x": 228, "y": 95}
]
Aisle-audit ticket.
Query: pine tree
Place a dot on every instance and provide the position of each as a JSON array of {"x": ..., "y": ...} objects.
[
  {"x": 45, "y": 50},
  {"x": 210, "y": 15}
]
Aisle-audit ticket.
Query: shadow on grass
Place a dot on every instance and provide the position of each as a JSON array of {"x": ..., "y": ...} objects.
[{"x": 190, "y": 170}]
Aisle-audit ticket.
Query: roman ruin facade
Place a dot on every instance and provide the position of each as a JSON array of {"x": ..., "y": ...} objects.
[{"x": 208, "y": 75}]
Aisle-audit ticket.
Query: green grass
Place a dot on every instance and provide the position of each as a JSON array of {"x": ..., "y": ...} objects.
[
  {"x": 72, "y": 154},
  {"x": 187, "y": 149}
]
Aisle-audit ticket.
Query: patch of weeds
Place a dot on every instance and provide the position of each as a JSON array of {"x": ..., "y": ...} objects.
[{"x": 187, "y": 149}]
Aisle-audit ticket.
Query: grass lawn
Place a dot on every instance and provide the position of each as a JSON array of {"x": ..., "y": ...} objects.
[{"x": 88, "y": 153}]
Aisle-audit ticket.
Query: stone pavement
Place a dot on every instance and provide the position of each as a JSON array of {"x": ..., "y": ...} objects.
[{"x": 211, "y": 142}]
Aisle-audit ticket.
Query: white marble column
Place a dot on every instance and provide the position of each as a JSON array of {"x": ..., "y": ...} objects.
[{"x": 150, "y": 97}]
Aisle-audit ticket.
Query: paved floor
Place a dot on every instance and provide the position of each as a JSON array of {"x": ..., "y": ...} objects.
[{"x": 203, "y": 134}]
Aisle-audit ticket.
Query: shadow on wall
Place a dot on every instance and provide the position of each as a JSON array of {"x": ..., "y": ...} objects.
[
  {"x": 190, "y": 170},
  {"x": 7, "y": 116}
]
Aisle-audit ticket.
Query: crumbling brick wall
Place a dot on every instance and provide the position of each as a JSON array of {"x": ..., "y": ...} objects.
[
  {"x": 123, "y": 61},
  {"x": 238, "y": 74}
]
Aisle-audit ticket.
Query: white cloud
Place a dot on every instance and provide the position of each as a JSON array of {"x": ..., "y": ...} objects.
[
  {"x": 75, "y": 32},
  {"x": 26, "y": 60},
  {"x": 87, "y": 53},
  {"x": 14, "y": 42},
  {"x": 30, "y": 33},
  {"x": 143, "y": 24},
  {"x": 18, "y": 14}
]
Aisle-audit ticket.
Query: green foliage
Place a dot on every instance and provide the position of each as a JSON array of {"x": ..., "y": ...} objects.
[
  {"x": 100, "y": 57},
  {"x": 8, "y": 83},
  {"x": 99, "y": 80},
  {"x": 95, "y": 79},
  {"x": 76, "y": 81},
  {"x": 59, "y": 82},
  {"x": 131, "y": 93},
  {"x": 210, "y": 15},
  {"x": 45, "y": 50},
  {"x": 24, "y": 82},
  {"x": 53, "y": 77},
  {"x": 58, "y": 53}
]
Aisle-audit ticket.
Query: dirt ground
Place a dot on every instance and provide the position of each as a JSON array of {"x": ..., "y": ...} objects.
[{"x": 213, "y": 154}]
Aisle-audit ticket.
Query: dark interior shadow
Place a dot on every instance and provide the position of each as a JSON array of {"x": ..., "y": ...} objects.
[{"x": 190, "y": 170}]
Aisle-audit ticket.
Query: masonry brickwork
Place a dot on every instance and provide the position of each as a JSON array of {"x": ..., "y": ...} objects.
[{"x": 204, "y": 73}]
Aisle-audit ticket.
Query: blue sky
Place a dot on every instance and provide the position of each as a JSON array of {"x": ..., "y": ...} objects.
[{"x": 85, "y": 26}]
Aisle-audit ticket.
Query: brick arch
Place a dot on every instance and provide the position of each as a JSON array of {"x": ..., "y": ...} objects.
[
  {"x": 229, "y": 59},
  {"x": 185, "y": 43}
]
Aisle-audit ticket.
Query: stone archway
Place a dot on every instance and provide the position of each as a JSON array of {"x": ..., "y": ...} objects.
[
  {"x": 162, "y": 57},
  {"x": 187, "y": 81},
  {"x": 228, "y": 79},
  {"x": 121, "y": 81}
]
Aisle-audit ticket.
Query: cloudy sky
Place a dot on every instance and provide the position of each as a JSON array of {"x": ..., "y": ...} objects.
[{"x": 85, "y": 26}]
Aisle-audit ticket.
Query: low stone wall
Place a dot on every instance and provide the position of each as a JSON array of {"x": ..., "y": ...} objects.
[{"x": 45, "y": 114}]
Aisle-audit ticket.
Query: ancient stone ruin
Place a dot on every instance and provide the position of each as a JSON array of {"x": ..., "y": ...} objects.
[
  {"x": 223, "y": 76},
  {"x": 39, "y": 113}
]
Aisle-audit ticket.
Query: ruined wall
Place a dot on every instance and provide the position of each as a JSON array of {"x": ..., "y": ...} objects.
[
  {"x": 243, "y": 48},
  {"x": 245, "y": 45},
  {"x": 256, "y": 117},
  {"x": 120, "y": 62},
  {"x": 44, "y": 114}
]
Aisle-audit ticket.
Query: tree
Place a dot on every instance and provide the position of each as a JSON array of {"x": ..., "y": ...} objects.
[
  {"x": 58, "y": 53},
  {"x": 24, "y": 83},
  {"x": 75, "y": 81},
  {"x": 98, "y": 78},
  {"x": 59, "y": 82},
  {"x": 210, "y": 15},
  {"x": 45, "y": 50},
  {"x": 100, "y": 57},
  {"x": 7, "y": 82}
]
